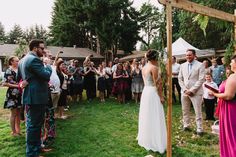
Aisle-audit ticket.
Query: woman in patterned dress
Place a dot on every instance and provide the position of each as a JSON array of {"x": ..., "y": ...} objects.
[
  {"x": 13, "y": 96},
  {"x": 137, "y": 82}
]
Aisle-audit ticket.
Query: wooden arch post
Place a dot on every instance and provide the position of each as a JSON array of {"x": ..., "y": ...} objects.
[
  {"x": 169, "y": 74},
  {"x": 194, "y": 8}
]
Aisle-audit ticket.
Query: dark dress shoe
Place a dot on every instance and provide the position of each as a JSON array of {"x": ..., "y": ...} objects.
[
  {"x": 186, "y": 129},
  {"x": 199, "y": 133}
]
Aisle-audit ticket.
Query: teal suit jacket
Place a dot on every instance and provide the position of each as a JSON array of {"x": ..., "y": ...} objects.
[{"x": 32, "y": 69}]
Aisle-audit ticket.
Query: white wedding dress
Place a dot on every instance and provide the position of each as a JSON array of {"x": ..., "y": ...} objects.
[{"x": 152, "y": 125}]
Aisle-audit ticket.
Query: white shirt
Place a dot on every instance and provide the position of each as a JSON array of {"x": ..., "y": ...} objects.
[
  {"x": 107, "y": 70},
  {"x": 114, "y": 67},
  {"x": 54, "y": 80},
  {"x": 175, "y": 69},
  {"x": 206, "y": 90}
]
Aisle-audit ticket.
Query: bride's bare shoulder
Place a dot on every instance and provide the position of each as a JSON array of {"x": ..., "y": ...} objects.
[{"x": 154, "y": 68}]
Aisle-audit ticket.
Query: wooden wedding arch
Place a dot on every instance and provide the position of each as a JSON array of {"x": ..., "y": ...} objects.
[{"x": 194, "y": 8}]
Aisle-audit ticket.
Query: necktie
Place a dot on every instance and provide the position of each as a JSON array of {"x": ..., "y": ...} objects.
[{"x": 189, "y": 67}]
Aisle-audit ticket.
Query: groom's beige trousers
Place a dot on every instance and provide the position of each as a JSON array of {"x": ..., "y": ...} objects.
[{"x": 196, "y": 100}]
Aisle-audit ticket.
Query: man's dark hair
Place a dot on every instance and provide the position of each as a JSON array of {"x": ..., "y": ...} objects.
[
  {"x": 35, "y": 43},
  {"x": 192, "y": 50},
  {"x": 174, "y": 57}
]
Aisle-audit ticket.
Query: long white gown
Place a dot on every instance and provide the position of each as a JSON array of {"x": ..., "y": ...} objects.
[{"x": 152, "y": 125}]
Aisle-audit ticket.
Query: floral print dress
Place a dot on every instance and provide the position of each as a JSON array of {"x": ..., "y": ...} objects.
[{"x": 13, "y": 96}]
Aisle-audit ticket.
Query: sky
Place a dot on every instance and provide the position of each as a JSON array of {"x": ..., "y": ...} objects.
[{"x": 27, "y": 13}]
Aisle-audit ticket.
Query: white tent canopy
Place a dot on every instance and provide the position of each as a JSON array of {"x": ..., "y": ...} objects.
[{"x": 180, "y": 46}]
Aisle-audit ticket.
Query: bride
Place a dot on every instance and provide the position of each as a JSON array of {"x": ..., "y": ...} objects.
[{"x": 152, "y": 126}]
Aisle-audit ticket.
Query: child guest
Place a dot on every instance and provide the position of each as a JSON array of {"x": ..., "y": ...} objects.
[{"x": 209, "y": 100}]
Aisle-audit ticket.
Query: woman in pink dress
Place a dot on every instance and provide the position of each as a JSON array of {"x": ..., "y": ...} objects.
[{"x": 227, "y": 110}]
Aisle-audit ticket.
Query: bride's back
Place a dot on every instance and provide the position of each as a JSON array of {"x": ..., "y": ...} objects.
[{"x": 147, "y": 75}]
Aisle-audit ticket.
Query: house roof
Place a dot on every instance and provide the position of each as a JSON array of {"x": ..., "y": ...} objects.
[
  {"x": 136, "y": 54},
  {"x": 69, "y": 52}
]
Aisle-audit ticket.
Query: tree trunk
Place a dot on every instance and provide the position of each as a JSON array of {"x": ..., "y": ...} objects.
[{"x": 98, "y": 45}]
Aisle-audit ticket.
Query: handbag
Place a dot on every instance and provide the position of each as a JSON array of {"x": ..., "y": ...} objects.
[{"x": 215, "y": 128}]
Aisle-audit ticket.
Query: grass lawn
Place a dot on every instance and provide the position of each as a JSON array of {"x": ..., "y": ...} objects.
[{"x": 107, "y": 130}]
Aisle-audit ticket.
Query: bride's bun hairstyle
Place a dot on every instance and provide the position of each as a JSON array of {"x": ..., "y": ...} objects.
[{"x": 152, "y": 54}]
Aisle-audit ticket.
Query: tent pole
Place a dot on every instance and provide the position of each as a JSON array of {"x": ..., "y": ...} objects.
[{"x": 169, "y": 101}]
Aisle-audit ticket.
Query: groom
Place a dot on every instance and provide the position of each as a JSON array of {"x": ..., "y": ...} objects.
[{"x": 191, "y": 77}]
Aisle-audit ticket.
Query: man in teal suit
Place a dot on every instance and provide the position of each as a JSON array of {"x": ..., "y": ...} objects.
[{"x": 35, "y": 94}]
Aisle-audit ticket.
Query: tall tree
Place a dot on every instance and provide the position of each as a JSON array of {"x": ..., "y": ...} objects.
[
  {"x": 15, "y": 34},
  {"x": 29, "y": 34},
  {"x": 2, "y": 33},
  {"x": 68, "y": 23},
  {"x": 150, "y": 22},
  {"x": 99, "y": 25}
]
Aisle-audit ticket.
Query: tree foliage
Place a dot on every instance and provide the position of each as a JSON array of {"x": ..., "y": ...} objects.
[
  {"x": 22, "y": 47},
  {"x": 103, "y": 24},
  {"x": 203, "y": 32},
  {"x": 151, "y": 19},
  {"x": 15, "y": 34},
  {"x": 2, "y": 33},
  {"x": 35, "y": 32}
]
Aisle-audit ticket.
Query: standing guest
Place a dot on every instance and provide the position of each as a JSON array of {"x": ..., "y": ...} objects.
[
  {"x": 128, "y": 80},
  {"x": 133, "y": 63},
  {"x": 70, "y": 71},
  {"x": 207, "y": 66},
  {"x": 77, "y": 81},
  {"x": 175, "y": 82},
  {"x": 137, "y": 82},
  {"x": 143, "y": 63},
  {"x": 35, "y": 94},
  {"x": 90, "y": 81},
  {"x": 101, "y": 82},
  {"x": 49, "y": 128},
  {"x": 87, "y": 60},
  {"x": 191, "y": 77},
  {"x": 55, "y": 83},
  {"x": 13, "y": 96},
  {"x": 209, "y": 100},
  {"x": 71, "y": 67},
  {"x": 62, "y": 102},
  {"x": 113, "y": 69},
  {"x": 227, "y": 109},
  {"x": 120, "y": 85},
  {"x": 116, "y": 62},
  {"x": 217, "y": 72},
  {"x": 108, "y": 77}
]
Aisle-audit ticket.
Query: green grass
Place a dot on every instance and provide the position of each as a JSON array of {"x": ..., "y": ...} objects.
[{"x": 106, "y": 130}]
